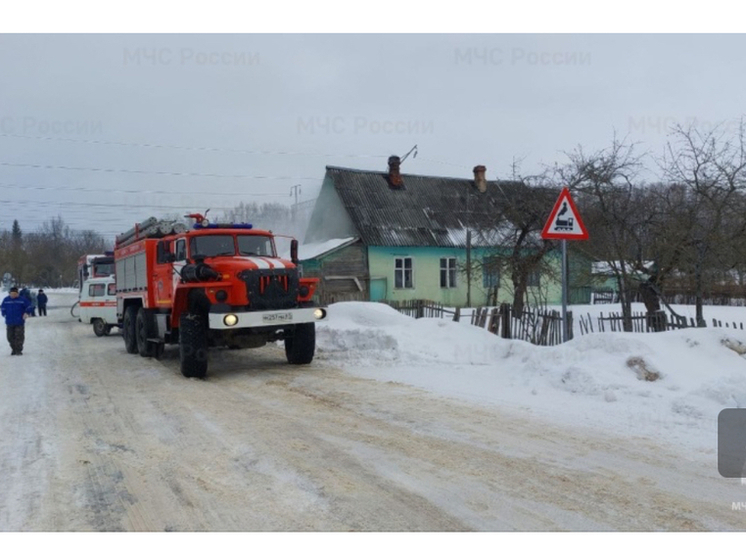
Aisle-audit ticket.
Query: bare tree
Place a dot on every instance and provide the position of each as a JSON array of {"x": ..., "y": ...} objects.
[
  {"x": 518, "y": 251},
  {"x": 606, "y": 186},
  {"x": 710, "y": 167}
]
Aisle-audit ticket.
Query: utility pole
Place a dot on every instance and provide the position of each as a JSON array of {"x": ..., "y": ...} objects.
[
  {"x": 468, "y": 248},
  {"x": 295, "y": 188}
]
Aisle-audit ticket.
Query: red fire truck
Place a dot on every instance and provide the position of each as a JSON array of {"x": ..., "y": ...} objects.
[{"x": 212, "y": 285}]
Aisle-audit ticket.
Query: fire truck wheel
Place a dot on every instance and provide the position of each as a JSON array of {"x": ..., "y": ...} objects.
[
  {"x": 144, "y": 347},
  {"x": 128, "y": 329},
  {"x": 193, "y": 345},
  {"x": 300, "y": 343},
  {"x": 99, "y": 327}
]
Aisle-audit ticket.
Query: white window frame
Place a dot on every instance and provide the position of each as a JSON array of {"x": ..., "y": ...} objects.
[
  {"x": 403, "y": 270},
  {"x": 450, "y": 269}
]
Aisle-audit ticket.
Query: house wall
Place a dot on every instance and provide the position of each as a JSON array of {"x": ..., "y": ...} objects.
[
  {"x": 426, "y": 274},
  {"x": 329, "y": 219},
  {"x": 343, "y": 274}
]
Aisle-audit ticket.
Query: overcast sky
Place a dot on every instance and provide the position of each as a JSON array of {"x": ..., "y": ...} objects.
[{"x": 106, "y": 130}]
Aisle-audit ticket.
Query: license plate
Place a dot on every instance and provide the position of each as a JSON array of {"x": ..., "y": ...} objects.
[{"x": 277, "y": 317}]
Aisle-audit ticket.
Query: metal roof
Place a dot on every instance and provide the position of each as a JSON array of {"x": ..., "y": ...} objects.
[{"x": 427, "y": 211}]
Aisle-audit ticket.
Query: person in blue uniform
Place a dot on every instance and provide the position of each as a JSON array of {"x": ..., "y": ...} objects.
[
  {"x": 15, "y": 309},
  {"x": 41, "y": 299}
]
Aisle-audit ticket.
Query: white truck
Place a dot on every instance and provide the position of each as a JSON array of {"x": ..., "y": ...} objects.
[{"x": 98, "y": 304}]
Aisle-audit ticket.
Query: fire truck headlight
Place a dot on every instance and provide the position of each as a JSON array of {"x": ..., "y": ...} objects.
[
  {"x": 221, "y": 295},
  {"x": 303, "y": 291},
  {"x": 230, "y": 320},
  {"x": 319, "y": 314}
]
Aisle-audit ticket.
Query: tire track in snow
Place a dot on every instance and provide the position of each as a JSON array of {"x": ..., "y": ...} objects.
[{"x": 262, "y": 445}]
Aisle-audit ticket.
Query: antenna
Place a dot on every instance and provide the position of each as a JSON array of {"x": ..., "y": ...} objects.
[{"x": 414, "y": 149}]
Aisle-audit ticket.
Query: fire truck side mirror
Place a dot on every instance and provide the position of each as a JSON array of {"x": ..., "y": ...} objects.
[{"x": 294, "y": 251}]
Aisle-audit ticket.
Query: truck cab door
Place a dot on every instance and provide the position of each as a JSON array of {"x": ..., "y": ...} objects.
[
  {"x": 163, "y": 274},
  {"x": 180, "y": 260}
]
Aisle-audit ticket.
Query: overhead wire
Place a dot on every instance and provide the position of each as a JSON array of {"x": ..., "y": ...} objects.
[
  {"x": 188, "y": 148},
  {"x": 102, "y": 207},
  {"x": 160, "y": 173},
  {"x": 137, "y": 191}
]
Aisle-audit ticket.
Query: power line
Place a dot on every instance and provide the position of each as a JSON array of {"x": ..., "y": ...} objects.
[
  {"x": 188, "y": 148},
  {"x": 444, "y": 163},
  {"x": 124, "y": 191},
  {"x": 161, "y": 173},
  {"x": 109, "y": 205},
  {"x": 217, "y": 150}
]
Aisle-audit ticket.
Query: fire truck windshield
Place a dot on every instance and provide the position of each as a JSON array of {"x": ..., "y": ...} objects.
[
  {"x": 103, "y": 270},
  {"x": 213, "y": 245},
  {"x": 255, "y": 245},
  {"x": 224, "y": 245}
]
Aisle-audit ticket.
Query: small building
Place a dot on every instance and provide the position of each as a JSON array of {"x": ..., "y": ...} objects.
[{"x": 387, "y": 236}]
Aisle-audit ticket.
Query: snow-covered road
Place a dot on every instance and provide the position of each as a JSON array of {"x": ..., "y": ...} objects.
[{"x": 96, "y": 439}]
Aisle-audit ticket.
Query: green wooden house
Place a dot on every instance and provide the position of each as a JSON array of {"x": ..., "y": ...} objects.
[{"x": 384, "y": 236}]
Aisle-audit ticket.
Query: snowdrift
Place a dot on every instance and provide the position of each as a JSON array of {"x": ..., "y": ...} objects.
[{"x": 669, "y": 385}]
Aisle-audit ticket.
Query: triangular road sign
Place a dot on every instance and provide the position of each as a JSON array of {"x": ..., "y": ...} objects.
[{"x": 564, "y": 222}]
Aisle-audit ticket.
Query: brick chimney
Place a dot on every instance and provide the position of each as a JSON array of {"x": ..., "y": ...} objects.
[
  {"x": 395, "y": 180},
  {"x": 479, "y": 179}
]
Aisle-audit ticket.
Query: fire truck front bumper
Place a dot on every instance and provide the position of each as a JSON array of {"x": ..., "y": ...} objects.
[{"x": 258, "y": 319}]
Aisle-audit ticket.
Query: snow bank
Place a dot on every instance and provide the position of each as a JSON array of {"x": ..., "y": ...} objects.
[
  {"x": 367, "y": 333},
  {"x": 670, "y": 385}
]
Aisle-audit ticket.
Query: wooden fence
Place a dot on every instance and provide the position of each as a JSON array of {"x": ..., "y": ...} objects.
[
  {"x": 642, "y": 322},
  {"x": 544, "y": 326},
  {"x": 419, "y": 308},
  {"x": 537, "y": 326}
]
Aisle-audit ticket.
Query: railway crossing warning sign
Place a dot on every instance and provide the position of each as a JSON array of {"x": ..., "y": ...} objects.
[{"x": 564, "y": 222}]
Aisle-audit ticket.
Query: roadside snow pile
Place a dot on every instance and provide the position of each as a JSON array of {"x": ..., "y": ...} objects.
[
  {"x": 370, "y": 333},
  {"x": 670, "y": 385}
]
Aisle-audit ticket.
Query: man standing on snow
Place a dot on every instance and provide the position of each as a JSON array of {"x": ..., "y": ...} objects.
[
  {"x": 15, "y": 309},
  {"x": 42, "y": 299}
]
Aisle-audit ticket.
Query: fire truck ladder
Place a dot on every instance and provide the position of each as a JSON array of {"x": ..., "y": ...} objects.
[{"x": 151, "y": 228}]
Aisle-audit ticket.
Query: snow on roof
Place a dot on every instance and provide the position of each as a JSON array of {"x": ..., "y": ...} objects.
[{"x": 314, "y": 250}]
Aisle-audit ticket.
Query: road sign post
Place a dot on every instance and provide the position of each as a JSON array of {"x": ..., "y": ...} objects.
[{"x": 564, "y": 224}]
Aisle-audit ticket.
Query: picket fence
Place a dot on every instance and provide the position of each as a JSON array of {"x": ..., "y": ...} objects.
[
  {"x": 544, "y": 326},
  {"x": 537, "y": 326}
]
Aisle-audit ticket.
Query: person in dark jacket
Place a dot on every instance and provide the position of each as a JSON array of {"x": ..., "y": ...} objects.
[
  {"x": 41, "y": 299},
  {"x": 32, "y": 297},
  {"x": 15, "y": 309}
]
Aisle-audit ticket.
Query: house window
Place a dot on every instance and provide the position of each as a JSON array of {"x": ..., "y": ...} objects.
[
  {"x": 403, "y": 273},
  {"x": 490, "y": 272},
  {"x": 533, "y": 279},
  {"x": 447, "y": 272}
]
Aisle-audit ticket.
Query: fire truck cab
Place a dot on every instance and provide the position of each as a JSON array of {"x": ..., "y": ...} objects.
[
  {"x": 209, "y": 286},
  {"x": 94, "y": 266}
]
